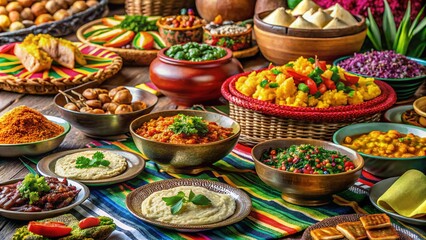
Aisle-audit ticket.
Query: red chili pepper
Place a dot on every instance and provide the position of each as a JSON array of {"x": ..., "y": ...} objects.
[
  {"x": 328, "y": 83},
  {"x": 89, "y": 222},
  {"x": 312, "y": 86},
  {"x": 298, "y": 78},
  {"x": 49, "y": 229},
  {"x": 351, "y": 79},
  {"x": 321, "y": 64},
  {"x": 322, "y": 88}
]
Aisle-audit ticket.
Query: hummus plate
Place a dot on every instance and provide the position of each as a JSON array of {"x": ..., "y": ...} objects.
[
  {"x": 135, "y": 164},
  {"x": 242, "y": 201}
]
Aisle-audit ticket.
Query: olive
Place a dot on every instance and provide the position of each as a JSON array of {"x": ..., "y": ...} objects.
[
  {"x": 85, "y": 109},
  {"x": 110, "y": 107},
  {"x": 90, "y": 94},
  {"x": 123, "y": 108},
  {"x": 138, "y": 105},
  {"x": 113, "y": 91},
  {"x": 71, "y": 106},
  {"x": 97, "y": 111},
  {"x": 104, "y": 98},
  {"x": 94, "y": 103},
  {"x": 123, "y": 97}
]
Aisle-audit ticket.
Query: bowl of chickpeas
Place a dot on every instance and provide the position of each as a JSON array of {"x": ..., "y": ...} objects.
[{"x": 388, "y": 149}]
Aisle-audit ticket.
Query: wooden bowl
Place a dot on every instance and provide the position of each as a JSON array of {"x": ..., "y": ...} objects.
[
  {"x": 280, "y": 44},
  {"x": 235, "y": 10},
  {"x": 173, "y": 35}
]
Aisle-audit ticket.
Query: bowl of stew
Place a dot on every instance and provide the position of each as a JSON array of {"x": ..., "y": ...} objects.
[
  {"x": 182, "y": 141},
  {"x": 389, "y": 149},
  {"x": 306, "y": 171}
]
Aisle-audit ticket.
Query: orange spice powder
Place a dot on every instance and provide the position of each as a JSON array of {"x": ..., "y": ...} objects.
[{"x": 23, "y": 125}]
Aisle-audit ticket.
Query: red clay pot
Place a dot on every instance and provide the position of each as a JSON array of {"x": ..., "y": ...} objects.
[{"x": 187, "y": 83}]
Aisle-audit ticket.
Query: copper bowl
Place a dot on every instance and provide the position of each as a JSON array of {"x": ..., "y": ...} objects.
[
  {"x": 185, "y": 158},
  {"x": 187, "y": 83},
  {"x": 306, "y": 189},
  {"x": 104, "y": 125}
]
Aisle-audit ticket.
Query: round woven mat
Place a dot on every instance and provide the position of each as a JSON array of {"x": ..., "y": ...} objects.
[{"x": 101, "y": 64}]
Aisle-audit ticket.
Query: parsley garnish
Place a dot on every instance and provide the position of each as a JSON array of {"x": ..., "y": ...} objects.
[
  {"x": 188, "y": 125},
  {"x": 138, "y": 23},
  {"x": 176, "y": 202},
  {"x": 96, "y": 161}
]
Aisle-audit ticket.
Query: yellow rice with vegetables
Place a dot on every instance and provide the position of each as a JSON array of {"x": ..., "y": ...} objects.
[{"x": 308, "y": 83}]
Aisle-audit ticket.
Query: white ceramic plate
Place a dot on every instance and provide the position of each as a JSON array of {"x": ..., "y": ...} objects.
[
  {"x": 135, "y": 165},
  {"x": 29, "y": 216}
]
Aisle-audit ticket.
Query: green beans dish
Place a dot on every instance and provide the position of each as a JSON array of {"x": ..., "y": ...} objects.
[{"x": 195, "y": 52}]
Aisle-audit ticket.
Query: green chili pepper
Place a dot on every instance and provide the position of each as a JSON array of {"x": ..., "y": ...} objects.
[
  {"x": 263, "y": 83},
  {"x": 274, "y": 85},
  {"x": 303, "y": 87}
]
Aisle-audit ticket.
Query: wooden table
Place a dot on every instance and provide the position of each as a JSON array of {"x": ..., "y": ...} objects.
[{"x": 129, "y": 76}]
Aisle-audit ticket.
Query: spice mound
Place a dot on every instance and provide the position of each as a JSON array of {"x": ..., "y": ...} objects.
[{"x": 23, "y": 125}]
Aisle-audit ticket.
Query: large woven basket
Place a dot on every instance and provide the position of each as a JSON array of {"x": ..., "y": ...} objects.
[
  {"x": 157, "y": 7},
  {"x": 261, "y": 121},
  {"x": 57, "y": 28}
]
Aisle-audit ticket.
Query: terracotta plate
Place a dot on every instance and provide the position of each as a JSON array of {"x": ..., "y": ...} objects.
[
  {"x": 29, "y": 216},
  {"x": 243, "y": 202},
  {"x": 135, "y": 165},
  {"x": 379, "y": 189},
  {"x": 404, "y": 234}
]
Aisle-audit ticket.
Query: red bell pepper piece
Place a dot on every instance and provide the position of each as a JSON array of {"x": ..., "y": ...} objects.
[
  {"x": 351, "y": 79},
  {"x": 120, "y": 40},
  {"x": 321, "y": 64},
  {"x": 322, "y": 88},
  {"x": 312, "y": 86},
  {"x": 298, "y": 78},
  {"x": 328, "y": 83},
  {"x": 270, "y": 66},
  {"x": 89, "y": 222},
  {"x": 49, "y": 229}
]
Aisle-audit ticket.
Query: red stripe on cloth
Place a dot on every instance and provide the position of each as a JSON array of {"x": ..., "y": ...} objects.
[
  {"x": 370, "y": 176},
  {"x": 365, "y": 182},
  {"x": 128, "y": 186},
  {"x": 272, "y": 222}
]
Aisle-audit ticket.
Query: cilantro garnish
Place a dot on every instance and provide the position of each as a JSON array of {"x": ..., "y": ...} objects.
[
  {"x": 189, "y": 125},
  {"x": 176, "y": 202},
  {"x": 96, "y": 161}
]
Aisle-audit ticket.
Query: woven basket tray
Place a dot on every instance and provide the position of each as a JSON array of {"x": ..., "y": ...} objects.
[
  {"x": 130, "y": 56},
  {"x": 101, "y": 64},
  {"x": 58, "y": 28},
  {"x": 157, "y": 7},
  {"x": 262, "y": 121}
]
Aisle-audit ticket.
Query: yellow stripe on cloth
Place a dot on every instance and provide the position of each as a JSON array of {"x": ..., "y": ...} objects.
[
  {"x": 9, "y": 57},
  {"x": 60, "y": 72},
  {"x": 9, "y": 63},
  {"x": 14, "y": 69},
  {"x": 126, "y": 148}
]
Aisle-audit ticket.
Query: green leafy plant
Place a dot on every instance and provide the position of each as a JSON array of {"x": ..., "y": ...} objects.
[
  {"x": 96, "y": 161},
  {"x": 410, "y": 37},
  {"x": 176, "y": 202}
]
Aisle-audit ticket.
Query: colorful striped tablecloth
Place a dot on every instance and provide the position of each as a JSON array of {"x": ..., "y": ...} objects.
[{"x": 270, "y": 218}]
